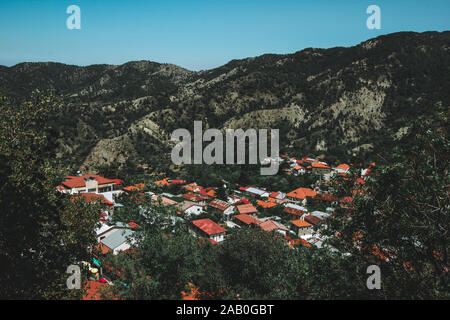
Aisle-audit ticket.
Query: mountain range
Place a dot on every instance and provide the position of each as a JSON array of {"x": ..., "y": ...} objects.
[{"x": 343, "y": 99}]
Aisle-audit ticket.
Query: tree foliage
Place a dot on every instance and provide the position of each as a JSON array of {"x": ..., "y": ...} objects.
[{"x": 42, "y": 231}]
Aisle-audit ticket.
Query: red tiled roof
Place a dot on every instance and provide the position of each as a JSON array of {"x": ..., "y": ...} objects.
[
  {"x": 208, "y": 226},
  {"x": 246, "y": 208},
  {"x": 241, "y": 200},
  {"x": 208, "y": 192},
  {"x": 188, "y": 204},
  {"x": 274, "y": 194},
  {"x": 93, "y": 198},
  {"x": 192, "y": 187},
  {"x": 245, "y": 218},
  {"x": 298, "y": 241},
  {"x": 78, "y": 182},
  {"x": 319, "y": 165},
  {"x": 270, "y": 225},
  {"x": 313, "y": 219},
  {"x": 302, "y": 193},
  {"x": 194, "y": 197},
  {"x": 301, "y": 223},
  {"x": 164, "y": 200},
  {"x": 102, "y": 248},
  {"x": 343, "y": 166},
  {"x": 177, "y": 181},
  {"x": 305, "y": 243},
  {"x": 133, "y": 224},
  {"x": 136, "y": 187},
  {"x": 264, "y": 204},
  {"x": 294, "y": 211},
  {"x": 219, "y": 204}
]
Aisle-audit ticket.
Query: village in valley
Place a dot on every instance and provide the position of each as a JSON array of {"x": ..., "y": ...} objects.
[{"x": 296, "y": 215}]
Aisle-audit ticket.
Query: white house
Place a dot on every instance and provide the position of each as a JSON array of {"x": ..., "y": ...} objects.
[
  {"x": 191, "y": 208},
  {"x": 118, "y": 241}
]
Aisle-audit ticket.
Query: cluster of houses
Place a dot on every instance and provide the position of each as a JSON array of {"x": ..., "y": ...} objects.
[{"x": 212, "y": 218}]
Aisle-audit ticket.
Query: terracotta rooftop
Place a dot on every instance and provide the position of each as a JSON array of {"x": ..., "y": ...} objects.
[
  {"x": 195, "y": 197},
  {"x": 164, "y": 200},
  {"x": 92, "y": 198},
  {"x": 219, "y": 204},
  {"x": 302, "y": 193},
  {"x": 319, "y": 165},
  {"x": 246, "y": 208},
  {"x": 301, "y": 223},
  {"x": 208, "y": 226},
  {"x": 245, "y": 218},
  {"x": 187, "y": 204},
  {"x": 79, "y": 182},
  {"x": 265, "y": 204},
  {"x": 312, "y": 219},
  {"x": 294, "y": 211},
  {"x": 270, "y": 225}
]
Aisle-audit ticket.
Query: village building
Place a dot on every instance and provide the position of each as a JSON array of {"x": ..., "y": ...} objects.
[
  {"x": 245, "y": 220},
  {"x": 210, "y": 229},
  {"x": 320, "y": 214},
  {"x": 246, "y": 208},
  {"x": 88, "y": 183},
  {"x": 266, "y": 204},
  {"x": 210, "y": 192},
  {"x": 221, "y": 207},
  {"x": 163, "y": 200},
  {"x": 257, "y": 192},
  {"x": 301, "y": 227},
  {"x": 277, "y": 195},
  {"x": 193, "y": 187},
  {"x": 195, "y": 197},
  {"x": 294, "y": 210},
  {"x": 342, "y": 169},
  {"x": 117, "y": 241},
  {"x": 301, "y": 194},
  {"x": 298, "y": 169},
  {"x": 93, "y": 198},
  {"x": 326, "y": 197},
  {"x": 314, "y": 220},
  {"x": 105, "y": 229},
  {"x": 320, "y": 168},
  {"x": 190, "y": 208},
  {"x": 270, "y": 226}
]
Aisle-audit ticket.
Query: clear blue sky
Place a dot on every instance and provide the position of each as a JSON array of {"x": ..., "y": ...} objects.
[{"x": 198, "y": 34}]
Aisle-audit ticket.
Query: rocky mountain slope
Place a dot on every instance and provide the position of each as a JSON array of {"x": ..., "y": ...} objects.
[{"x": 320, "y": 99}]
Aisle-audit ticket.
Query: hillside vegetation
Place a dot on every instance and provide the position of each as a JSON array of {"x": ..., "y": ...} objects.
[{"x": 328, "y": 100}]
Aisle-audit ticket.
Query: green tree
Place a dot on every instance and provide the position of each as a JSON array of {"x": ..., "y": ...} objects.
[
  {"x": 399, "y": 220},
  {"x": 42, "y": 231}
]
